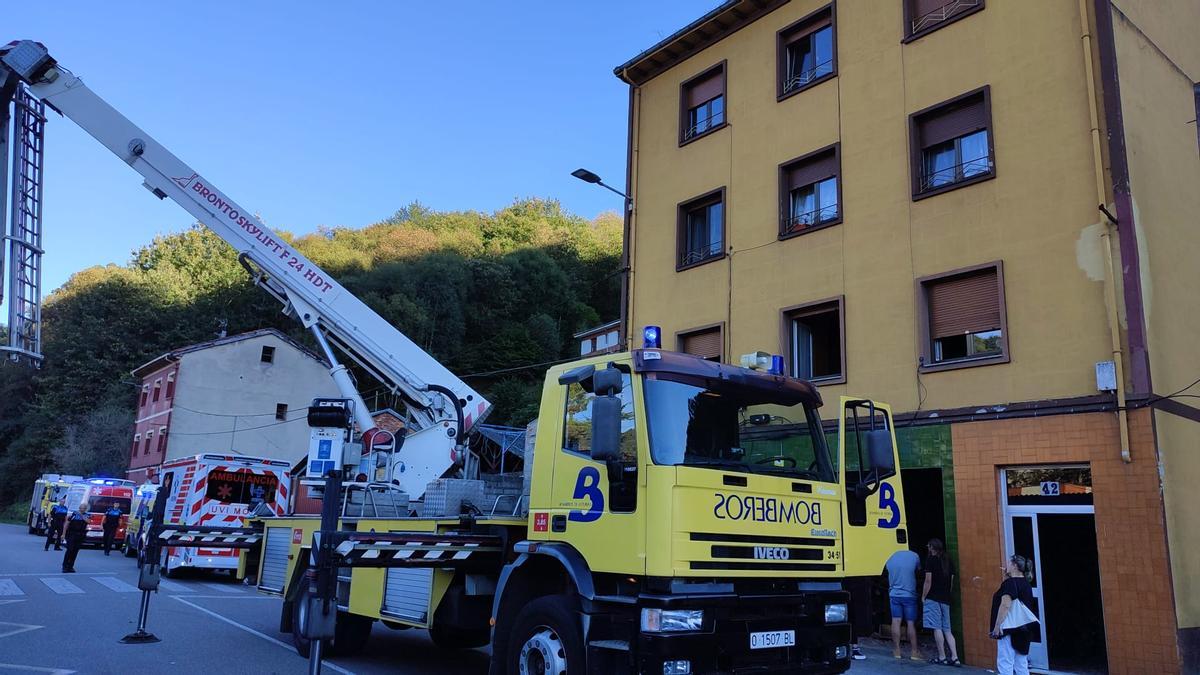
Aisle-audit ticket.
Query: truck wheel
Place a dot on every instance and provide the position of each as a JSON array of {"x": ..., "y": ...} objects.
[
  {"x": 303, "y": 645},
  {"x": 546, "y": 638},
  {"x": 447, "y": 637},
  {"x": 350, "y": 634}
]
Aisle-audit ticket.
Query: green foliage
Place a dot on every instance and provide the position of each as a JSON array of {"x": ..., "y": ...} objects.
[{"x": 482, "y": 292}]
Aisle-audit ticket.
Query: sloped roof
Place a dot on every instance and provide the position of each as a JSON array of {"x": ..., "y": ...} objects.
[
  {"x": 162, "y": 360},
  {"x": 716, "y": 25}
]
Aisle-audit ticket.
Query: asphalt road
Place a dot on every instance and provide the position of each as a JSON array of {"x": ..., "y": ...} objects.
[{"x": 208, "y": 623}]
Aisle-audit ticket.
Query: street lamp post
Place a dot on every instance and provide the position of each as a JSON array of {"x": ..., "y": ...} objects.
[{"x": 590, "y": 177}]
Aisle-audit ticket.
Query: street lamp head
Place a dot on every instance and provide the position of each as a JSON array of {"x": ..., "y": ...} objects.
[{"x": 586, "y": 176}]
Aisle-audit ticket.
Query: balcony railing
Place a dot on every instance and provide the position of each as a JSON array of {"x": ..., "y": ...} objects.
[
  {"x": 797, "y": 80},
  {"x": 942, "y": 13},
  {"x": 956, "y": 174},
  {"x": 808, "y": 219},
  {"x": 704, "y": 124},
  {"x": 697, "y": 254}
]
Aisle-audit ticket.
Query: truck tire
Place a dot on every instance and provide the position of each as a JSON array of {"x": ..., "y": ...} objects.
[
  {"x": 449, "y": 637},
  {"x": 546, "y": 638},
  {"x": 350, "y": 634},
  {"x": 302, "y": 644}
]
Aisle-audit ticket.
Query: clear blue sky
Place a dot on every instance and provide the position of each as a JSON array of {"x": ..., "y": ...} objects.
[{"x": 324, "y": 113}]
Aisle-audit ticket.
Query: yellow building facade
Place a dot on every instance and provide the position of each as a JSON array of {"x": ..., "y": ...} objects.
[{"x": 986, "y": 212}]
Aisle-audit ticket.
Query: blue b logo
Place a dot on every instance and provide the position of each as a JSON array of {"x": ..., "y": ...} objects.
[
  {"x": 588, "y": 485},
  {"x": 887, "y": 500}
]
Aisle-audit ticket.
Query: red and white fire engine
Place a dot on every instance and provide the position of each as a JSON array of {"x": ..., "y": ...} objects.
[
  {"x": 99, "y": 494},
  {"x": 220, "y": 490}
]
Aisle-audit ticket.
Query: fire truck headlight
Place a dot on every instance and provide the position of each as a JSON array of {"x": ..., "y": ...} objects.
[
  {"x": 836, "y": 613},
  {"x": 656, "y": 620}
]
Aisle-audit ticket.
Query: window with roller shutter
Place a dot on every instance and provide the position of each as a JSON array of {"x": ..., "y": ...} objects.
[
  {"x": 702, "y": 104},
  {"x": 809, "y": 188},
  {"x": 922, "y": 17},
  {"x": 950, "y": 144},
  {"x": 807, "y": 53},
  {"x": 708, "y": 343},
  {"x": 963, "y": 317}
]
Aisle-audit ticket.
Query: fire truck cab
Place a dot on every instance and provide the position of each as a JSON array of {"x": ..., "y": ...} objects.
[{"x": 99, "y": 494}]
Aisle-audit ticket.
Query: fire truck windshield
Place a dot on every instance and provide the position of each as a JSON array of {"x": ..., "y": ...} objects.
[
  {"x": 694, "y": 426},
  {"x": 102, "y": 504}
]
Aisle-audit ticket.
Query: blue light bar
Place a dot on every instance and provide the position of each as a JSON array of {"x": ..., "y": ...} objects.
[{"x": 652, "y": 337}]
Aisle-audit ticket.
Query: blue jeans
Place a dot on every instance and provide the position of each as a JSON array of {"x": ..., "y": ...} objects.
[{"x": 903, "y": 607}]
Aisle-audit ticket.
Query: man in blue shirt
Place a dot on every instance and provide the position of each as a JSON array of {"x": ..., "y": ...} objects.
[
  {"x": 58, "y": 514},
  {"x": 112, "y": 518},
  {"x": 902, "y": 592}
]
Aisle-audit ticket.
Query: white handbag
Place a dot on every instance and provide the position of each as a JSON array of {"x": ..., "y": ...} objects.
[{"x": 1018, "y": 615}]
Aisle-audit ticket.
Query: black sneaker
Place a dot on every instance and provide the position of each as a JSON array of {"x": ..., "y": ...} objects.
[{"x": 857, "y": 653}]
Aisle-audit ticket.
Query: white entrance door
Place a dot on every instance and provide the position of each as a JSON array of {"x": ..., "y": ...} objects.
[{"x": 1028, "y": 492}]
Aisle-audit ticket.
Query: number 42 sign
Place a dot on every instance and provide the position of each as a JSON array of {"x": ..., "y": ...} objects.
[{"x": 1050, "y": 488}]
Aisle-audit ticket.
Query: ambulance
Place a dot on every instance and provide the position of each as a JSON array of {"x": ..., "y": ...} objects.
[
  {"x": 47, "y": 490},
  {"x": 99, "y": 494},
  {"x": 220, "y": 491},
  {"x": 139, "y": 515}
]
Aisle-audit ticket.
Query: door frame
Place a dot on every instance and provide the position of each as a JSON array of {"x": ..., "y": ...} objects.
[{"x": 1041, "y": 661}]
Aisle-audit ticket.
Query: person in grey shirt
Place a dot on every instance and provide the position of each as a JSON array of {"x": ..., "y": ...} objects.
[{"x": 902, "y": 593}]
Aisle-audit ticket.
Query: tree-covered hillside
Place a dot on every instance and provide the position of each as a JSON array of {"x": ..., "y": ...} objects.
[{"x": 482, "y": 292}]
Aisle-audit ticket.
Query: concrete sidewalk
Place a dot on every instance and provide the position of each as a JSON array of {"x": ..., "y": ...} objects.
[{"x": 879, "y": 660}]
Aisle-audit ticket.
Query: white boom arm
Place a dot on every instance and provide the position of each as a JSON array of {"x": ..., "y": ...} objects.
[{"x": 308, "y": 293}]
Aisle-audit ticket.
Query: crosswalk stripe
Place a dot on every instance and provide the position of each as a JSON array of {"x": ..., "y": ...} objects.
[
  {"x": 223, "y": 588},
  {"x": 9, "y": 587},
  {"x": 172, "y": 587},
  {"x": 61, "y": 586},
  {"x": 116, "y": 584}
]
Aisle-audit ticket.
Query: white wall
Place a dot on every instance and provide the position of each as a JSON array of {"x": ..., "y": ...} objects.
[{"x": 227, "y": 387}]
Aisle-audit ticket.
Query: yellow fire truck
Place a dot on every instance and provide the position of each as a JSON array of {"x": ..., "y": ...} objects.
[
  {"x": 682, "y": 516},
  {"x": 47, "y": 491}
]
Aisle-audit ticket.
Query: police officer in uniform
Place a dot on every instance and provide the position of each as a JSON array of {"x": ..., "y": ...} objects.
[
  {"x": 76, "y": 531},
  {"x": 112, "y": 518},
  {"x": 58, "y": 514}
]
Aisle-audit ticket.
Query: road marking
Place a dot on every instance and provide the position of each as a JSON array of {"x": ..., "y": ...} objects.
[
  {"x": 52, "y": 574},
  {"x": 228, "y": 597},
  {"x": 61, "y": 585},
  {"x": 9, "y": 602},
  {"x": 268, "y": 638},
  {"x": 223, "y": 588},
  {"x": 36, "y": 669},
  {"x": 9, "y": 587},
  {"x": 17, "y": 629},
  {"x": 173, "y": 587},
  {"x": 115, "y": 584}
]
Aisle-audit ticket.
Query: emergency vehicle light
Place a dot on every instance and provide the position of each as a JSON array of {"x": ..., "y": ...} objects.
[{"x": 652, "y": 337}]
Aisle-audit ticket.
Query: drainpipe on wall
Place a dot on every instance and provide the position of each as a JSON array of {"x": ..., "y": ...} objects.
[
  {"x": 1110, "y": 283},
  {"x": 626, "y": 311}
]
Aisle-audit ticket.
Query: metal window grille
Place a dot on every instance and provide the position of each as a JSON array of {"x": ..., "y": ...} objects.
[
  {"x": 809, "y": 218},
  {"x": 705, "y": 123},
  {"x": 957, "y": 173},
  {"x": 942, "y": 13},
  {"x": 795, "y": 80},
  {"x": 698, "y": 253}
]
